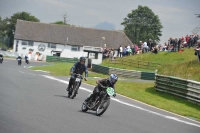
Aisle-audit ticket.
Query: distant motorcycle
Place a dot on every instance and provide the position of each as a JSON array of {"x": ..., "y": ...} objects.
[
  {"x": 99, "y": 103},
  {"x": 27, "y": 60},
  {"x": 1, "y": 60},
  {"x": 73, "y": 90},
  {"x": 19, "y": 60}
]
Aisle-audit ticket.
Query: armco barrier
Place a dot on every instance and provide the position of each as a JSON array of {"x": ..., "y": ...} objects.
[
  {"x": 187, "y": 89},
  {"x": 100, "y": 69},
  {"x": 60, "y": 59},
  {"x": 123, "y": 72},
  {"x": 9, "y": 54}
]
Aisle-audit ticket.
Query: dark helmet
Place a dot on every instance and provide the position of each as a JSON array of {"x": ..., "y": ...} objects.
[
  {"x": 113, "y": 78},
  {"x": 82, "y": 59}
]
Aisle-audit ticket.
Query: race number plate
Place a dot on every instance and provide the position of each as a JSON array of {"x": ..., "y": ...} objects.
[{"x": 78, "y": 80}]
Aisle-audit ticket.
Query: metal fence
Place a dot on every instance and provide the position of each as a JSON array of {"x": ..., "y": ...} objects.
[
  {"x": 60, "y": 59},
  {"x": 135, "y": 63},
  {"x": 123, "y": 72},
  {"x": 187, "y": 89}
]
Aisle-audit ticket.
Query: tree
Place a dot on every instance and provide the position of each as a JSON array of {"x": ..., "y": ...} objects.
[
  {"x": 11, "y": 22},
  {"x": 65, "y": 17},
  {"x": 196, "y": 30},
  {"x": 142, "y": 24},
  {"x": 63, "y": 22},
  {"x": 60, "y": 22}
]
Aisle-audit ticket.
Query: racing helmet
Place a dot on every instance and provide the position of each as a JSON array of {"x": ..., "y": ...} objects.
[
  {"x": 113, "y": 78},
  {"x": 82, "y": 59}
]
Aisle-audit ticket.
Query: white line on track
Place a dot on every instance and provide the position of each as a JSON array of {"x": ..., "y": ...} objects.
[{"x": 131, "y": 105}]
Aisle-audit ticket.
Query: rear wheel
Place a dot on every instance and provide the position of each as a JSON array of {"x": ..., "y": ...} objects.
[{"x": 102, "y": 107}]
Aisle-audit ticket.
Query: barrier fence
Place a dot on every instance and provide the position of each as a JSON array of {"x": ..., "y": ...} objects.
[
  {"x": 123, "y": 72},
  {"x": 60, "y": 59},
  {"x": 187, "y": 89},
  {"x": 135, "y": 63}
]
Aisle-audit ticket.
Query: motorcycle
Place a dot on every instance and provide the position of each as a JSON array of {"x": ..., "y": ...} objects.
[
  {"x": 73, "y": 90},
  {"x": 27, "y": 60},
  {"x": 19, "y": 62},
  {"x": 1, "y": 60},
  {"x": 99, "y": 103}
]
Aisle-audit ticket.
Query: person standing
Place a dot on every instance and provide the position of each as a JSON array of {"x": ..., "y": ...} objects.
[{"x": 120, "y": 51}]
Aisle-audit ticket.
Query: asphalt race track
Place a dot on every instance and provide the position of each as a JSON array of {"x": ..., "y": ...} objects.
[{"x": 36, "y": 102}]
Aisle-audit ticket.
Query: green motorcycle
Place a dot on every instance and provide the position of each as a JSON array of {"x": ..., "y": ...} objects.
[{"x": 100, "y": 103}]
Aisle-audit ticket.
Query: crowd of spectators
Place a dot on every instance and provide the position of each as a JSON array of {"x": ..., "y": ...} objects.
[{"x": 172, "y": 45}]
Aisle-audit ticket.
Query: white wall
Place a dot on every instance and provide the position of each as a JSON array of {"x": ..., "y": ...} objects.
[
  {"x": 65, "y": 49},
  {"x": 99, "y": 60}
]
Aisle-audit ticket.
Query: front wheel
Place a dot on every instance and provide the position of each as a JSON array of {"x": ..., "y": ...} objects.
[
  {"x": 84, "y": 107},
  {"x": 75, "y": 89},
  {"x": 102, "y": 107}
]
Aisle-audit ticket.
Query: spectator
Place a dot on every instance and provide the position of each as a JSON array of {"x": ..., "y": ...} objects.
[
  {"x": 197, "y": 50},
  {"x": 154, "y": 50},
  {"x": 120, "y": 51},
  {"x": 133, "y": 49},
  {"x": 145, "y": 47},
  {"x": 111, "y": 54},
  {"x": 175, "y": 44},
  {"x": 150, "y": 44},
  {"x": 124, "y": 51},
  {"x": 179, "y": 43},
  {"x": 127, "y": 50},
  {"x": 170, "y": 49}
]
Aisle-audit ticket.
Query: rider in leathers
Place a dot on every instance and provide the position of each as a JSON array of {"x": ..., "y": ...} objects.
[
  {"x": 78, "y": 68},
  {"x": 102, "y": 85}
]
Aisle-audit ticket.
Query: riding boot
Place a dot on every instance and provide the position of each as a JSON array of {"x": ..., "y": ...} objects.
[{"x": 69, "y": 85}]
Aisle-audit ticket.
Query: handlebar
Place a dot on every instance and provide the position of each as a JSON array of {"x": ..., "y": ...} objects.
[{"x": 79, "y": 75}]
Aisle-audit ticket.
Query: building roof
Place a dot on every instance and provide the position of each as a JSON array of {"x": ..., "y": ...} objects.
[{"x": 58, "y": 34}]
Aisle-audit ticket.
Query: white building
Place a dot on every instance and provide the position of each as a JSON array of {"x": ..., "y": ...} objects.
[{"x": 62, "y": 40}]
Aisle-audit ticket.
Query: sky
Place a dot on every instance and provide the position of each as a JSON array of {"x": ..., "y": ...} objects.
[{"x": 177, "y": 16}]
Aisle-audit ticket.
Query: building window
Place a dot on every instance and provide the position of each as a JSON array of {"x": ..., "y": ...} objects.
[
  {"x": 75, "y": 48},
  {"x": 51, "y": 45},
  {"x": 24, "y": 43},
  {"x": 30, "y": 43}
]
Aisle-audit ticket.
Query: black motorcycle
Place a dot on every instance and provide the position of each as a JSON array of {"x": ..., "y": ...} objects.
[
  {"x": 27, "y": 61},
  {"x": 99, "y": 103},
  {"x": 19, "y": 61},
  {"x": 73, "y": 90},
  {"x": 1, "y": 60}
]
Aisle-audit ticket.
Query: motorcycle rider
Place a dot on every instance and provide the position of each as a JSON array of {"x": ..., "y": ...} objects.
[
  {"x": 102, "y": 86},
  {"x": 19, "y": 58},
  {"x": 26, "y": 59},
  {"x": 78, "y": 68},
  {"x": 1, "y": 55}
]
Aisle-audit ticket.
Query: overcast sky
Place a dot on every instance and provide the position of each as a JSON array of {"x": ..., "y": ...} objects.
[{"x": 177, "y": 16}]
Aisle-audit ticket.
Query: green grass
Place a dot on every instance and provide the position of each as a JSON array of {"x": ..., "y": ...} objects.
[
  {"x": 183, "y": 65},
  {"x": 142, "y": 91},
  {"x": 63, "y": 69},
  {"x": 146, "y": 93}
]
